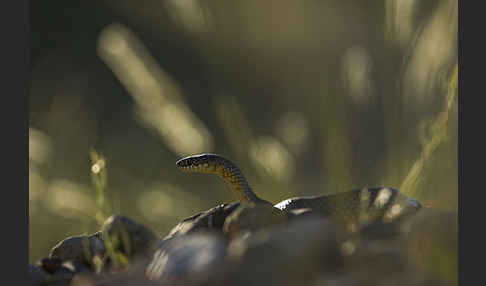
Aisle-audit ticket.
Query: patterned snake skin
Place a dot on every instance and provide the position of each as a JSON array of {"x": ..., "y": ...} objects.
[{"x": 359, "y": 203}]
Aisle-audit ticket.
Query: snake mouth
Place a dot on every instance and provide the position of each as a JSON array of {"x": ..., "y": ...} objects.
[
  {"x": 187, "y": 168},
  {"x": 194, "y": 164},
  {"x": 193, "y": 169},
  {"x": 185, "y": 165}
]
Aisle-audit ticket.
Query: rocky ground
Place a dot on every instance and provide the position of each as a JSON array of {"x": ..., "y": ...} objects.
[{"x": 253, "y": 245}]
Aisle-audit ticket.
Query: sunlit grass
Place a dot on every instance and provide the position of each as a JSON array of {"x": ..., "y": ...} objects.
[
  {"x": 99, "y": 178},
  {"x": 68, "y": 199},
  {"x": 104, "y": 210},
  {"x": 166, "y": 201},
  {"x": 234, "y": 125},
  {"x": 272, "y": 158},
  {"x": 438, "y": 130},
  {"x": 160, "y": 104},
  {"x": 112, "y": 243},
  {"x": 293, "y": 129}
]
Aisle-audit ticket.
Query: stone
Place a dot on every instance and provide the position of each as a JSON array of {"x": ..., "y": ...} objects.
[
  {"x": 134, "y": 238},
  {"x": 78, "y": 248},
  {"x": 210, "y": 220},
  {"x": 195, "y": 256}
]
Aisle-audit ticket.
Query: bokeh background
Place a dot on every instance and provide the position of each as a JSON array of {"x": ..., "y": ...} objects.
[{"x": 307, "y": 97}]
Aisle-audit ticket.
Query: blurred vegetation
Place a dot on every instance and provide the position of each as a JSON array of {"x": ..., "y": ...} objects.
[{"x": 308, "y": 97}]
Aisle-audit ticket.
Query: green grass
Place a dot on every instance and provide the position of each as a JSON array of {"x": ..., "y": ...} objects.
[
  {"x": 104, "y": 210},
  {"x": 438, "y": 130}
]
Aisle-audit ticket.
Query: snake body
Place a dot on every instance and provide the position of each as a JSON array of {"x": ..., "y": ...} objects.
[{"x": 352, "y": 203}]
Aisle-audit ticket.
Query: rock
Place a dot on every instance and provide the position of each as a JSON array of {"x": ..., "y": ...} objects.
[
  {"x": 433, "y": 242},
  {"x": 252, "y": 217},
  {"x": 286, "y": 254},
  {"x": 134, "y": 239},
  {"x": 50, "y": 265},
  {"x": 63, "y": 276},
  {"x": 250, "y": 244},
  {"x": 78, "y": 248},
  {"x": 76, "y": 267},
  {"x": 188, "y": 258},
  {"x": 51, "y": 272},
  {"x": 37, "y": 276},
  {"x": 210, "y": 220},
  {"x": 120, "y": 279}
]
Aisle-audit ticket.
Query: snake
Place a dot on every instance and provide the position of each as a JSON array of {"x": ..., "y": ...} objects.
[{"x": 380, "y": 201}]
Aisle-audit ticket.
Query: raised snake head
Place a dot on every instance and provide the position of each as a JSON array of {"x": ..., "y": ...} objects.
[{"x": 202, "y": 163}]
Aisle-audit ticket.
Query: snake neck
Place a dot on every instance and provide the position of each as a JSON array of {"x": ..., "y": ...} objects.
[
  {"x": 237, "y": 182},
  {"x": 225, "y": 169}
]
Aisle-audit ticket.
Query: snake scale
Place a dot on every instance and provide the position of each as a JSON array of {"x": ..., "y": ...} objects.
[{"x": 378, "y": 201}]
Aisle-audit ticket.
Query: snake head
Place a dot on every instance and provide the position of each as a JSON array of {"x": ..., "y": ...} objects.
[{"x": 202, "y": 163}]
